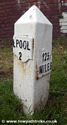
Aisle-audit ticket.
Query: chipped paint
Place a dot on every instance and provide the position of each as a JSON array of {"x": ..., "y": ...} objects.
[{"x": 31, "y": 87}]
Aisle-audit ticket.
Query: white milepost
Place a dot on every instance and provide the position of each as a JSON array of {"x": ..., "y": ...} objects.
[{"x": 32, "y": 59}]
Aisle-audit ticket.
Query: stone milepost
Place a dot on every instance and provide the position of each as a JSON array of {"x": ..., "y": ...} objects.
[{"x": 32, "y": 51}]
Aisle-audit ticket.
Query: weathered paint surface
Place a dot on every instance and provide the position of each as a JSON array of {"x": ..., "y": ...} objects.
[{"x": 31, "y": 85}]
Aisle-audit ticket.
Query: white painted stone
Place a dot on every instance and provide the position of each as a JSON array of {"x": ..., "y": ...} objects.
[{"x": 31, "y": 77}]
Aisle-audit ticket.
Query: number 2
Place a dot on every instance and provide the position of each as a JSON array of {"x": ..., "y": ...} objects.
[{"x": 20, "y": 55}]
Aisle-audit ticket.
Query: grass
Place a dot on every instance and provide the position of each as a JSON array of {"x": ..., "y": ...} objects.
[
  {"x": 10, "y": 106},
  {"x": 56, "y": 107}
]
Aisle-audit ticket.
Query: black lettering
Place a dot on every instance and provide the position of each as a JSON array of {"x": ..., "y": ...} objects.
[
  {"x": 20, "y": 55},
  {"x": 45, "y": 68},
  {"x": 24, "y": 44},
  {"x": 44, "y": 55},
  {"x": 20, "y": 45},
  {"x": 28, "y": 46},
  {"x": 41, "y": 69},
  {"x": 17, "y": 42},
  {"x": 48, "y": 56},
  {"x": 48, "y": 66}
]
